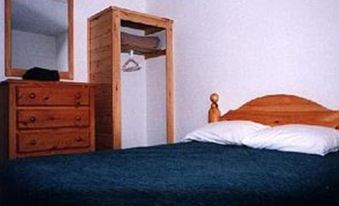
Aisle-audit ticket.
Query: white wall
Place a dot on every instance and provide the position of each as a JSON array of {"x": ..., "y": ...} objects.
[
  {"x": 134, "y": 98},
  {"x": 156, "y": 100},
  {"x": 62, "y": 51},
  {"x": 245, "y": 49},
  {"x": 33, "y": 50}
]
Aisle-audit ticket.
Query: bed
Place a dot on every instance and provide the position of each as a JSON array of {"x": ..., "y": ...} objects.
[{"x": 190, "y": 173}]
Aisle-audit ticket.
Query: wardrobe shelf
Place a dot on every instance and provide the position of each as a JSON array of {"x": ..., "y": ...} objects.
[
  {"x": 148, "y": 53},
  {"x": 141, "y": 45},
  {"x": 148, "y": 29}
]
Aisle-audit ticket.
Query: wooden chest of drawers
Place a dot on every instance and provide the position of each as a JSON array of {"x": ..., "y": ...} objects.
[{"x": 46, "y": 118}]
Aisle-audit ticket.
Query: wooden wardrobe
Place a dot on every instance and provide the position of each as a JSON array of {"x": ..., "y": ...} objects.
[{"x": 104, "y": 59}]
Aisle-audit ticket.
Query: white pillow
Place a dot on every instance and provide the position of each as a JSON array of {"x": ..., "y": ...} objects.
[
  {"x": 296, "y": 138},
  {"x": 224, "y": 132}
]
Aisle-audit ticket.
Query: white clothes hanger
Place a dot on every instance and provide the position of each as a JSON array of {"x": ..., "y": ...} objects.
[{"x": 131, "y": 68}]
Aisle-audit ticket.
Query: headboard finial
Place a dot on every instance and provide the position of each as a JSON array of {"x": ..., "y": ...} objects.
[
  {"x": 214, "y": 112},
  {"x": 214, "y": 98}
]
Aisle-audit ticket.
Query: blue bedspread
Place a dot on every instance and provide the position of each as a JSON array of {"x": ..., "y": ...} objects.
[{"x": 180, "y": 174}]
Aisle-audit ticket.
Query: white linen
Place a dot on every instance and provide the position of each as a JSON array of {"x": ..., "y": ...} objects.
[
  {"x": 295, "y": 138},
  {"x": 224, "y": 132}
]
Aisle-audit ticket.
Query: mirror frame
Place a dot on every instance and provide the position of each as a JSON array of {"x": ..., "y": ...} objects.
[{"x": 17, "y": 72}]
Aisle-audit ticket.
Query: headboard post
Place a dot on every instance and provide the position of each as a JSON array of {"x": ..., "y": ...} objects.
[{"x": 214, "y": 112}]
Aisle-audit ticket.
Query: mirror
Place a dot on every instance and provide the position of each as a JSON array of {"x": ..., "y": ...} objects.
[{"x": 39, "y": 34}]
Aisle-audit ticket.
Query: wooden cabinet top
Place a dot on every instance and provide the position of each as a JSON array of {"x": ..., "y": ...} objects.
[{"x": 19, "y": 81}]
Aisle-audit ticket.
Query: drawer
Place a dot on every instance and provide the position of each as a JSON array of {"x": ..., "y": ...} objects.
[
  {"x": 53, "y": 118},
  {"x": 39, "y": 141},
  {"x": 52, "y": 95}
]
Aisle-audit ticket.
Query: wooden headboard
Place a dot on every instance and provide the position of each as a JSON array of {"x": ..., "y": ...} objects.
[{"x": 278, "y": 110}]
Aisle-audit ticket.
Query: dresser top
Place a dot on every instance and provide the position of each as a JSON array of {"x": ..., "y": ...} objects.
[{"x": 19, "y": 81}]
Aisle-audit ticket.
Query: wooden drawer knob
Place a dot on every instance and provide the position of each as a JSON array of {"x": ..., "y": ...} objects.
[
  {"x": 77, "y": 118},
  {"x": 33, "y": 142},
  {"x": 32, "y": 119},
  {"x": 78, "y": 139},
  {"x": 32, "y": 95}
]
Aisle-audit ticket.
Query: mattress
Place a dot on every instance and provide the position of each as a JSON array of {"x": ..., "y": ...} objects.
[{"x": 179, "y": 174}]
